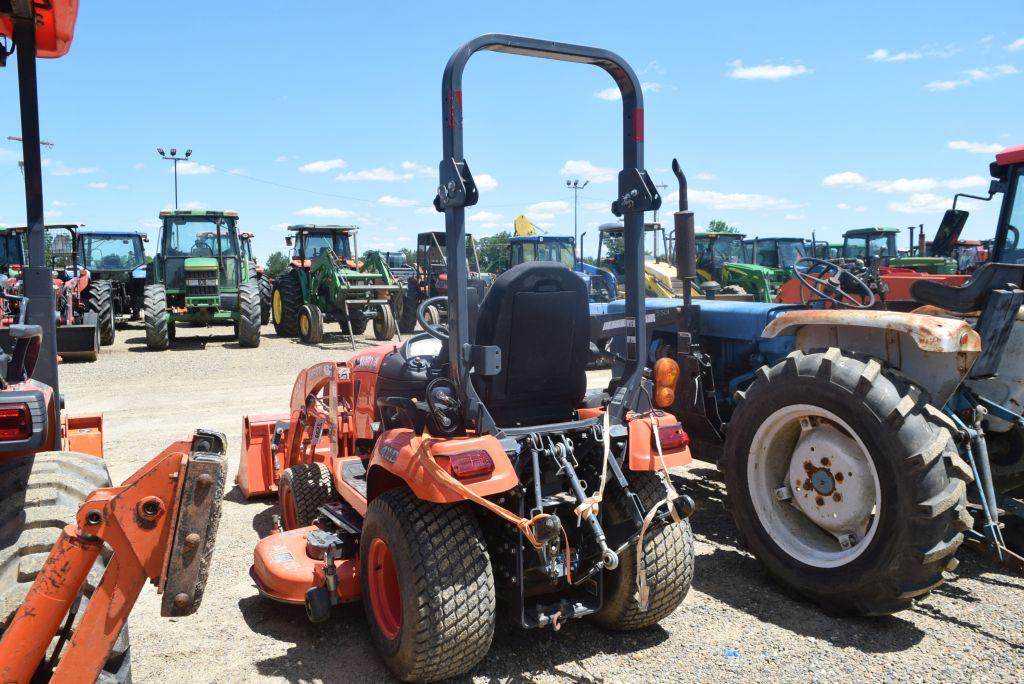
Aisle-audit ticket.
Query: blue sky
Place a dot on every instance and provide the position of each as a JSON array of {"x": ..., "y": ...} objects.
[{"x": 809, "y": 116}]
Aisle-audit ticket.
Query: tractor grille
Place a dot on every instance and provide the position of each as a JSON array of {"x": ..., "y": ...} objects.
[{"x": 201, "y": 283}]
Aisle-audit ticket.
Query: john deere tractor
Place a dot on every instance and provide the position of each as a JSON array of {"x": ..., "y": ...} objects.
[
  {"x": 200, "y": 276},
  {"x": 720, "y": 257},
  {"x": 327, "y": 281},
  {"x": 777, "y": 254}
]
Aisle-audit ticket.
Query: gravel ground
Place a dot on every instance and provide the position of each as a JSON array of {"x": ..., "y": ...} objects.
[{"x": 735, "y": 625}]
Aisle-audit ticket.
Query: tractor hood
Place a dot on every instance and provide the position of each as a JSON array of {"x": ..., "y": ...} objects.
[{"x": 201, "y": 264}]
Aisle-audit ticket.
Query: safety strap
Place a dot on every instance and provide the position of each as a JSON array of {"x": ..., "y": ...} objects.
[
  {"x": 592, "y": 504},
  {"x": 442, "y": 476},
  {"x": 643, "y": 592}
]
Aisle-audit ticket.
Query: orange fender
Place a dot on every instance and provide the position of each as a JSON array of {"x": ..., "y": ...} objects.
[
  {"x": 643, "y": 454},
  {"x": 395, "y": 461}
]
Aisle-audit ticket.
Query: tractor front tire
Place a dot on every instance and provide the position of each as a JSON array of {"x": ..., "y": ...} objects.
[
  {"x": 39, "y": 495},
  {"x": 100, "y": 298},
  {"x": 407, "y": 314},
  {"x": 157, "y": 318},
  {"x": 303, "y": 489},
  {"x": 845, "y": 483},
  {"x": 668, "y": 562},
  {"x": 286, "y": 300},
  {"x": 427, "y": 586},
  {"x": 384, "y": 327},
  {"x": 356, "y": 327},
  {"x": 311, "y": 324},
  {"x": 266, "y": 297},
  {"x": 249, "y": 315}
]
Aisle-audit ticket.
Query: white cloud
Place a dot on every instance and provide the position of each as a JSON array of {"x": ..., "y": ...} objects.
[
  {"x": 97, "y": 185},
  {"x": 1016, "y": 45},
  {"x": 965, "y": 182},
  {"x": 282, "y": 158},
  {"x": 139, "y": 166},
  {"x": 843, "y": 178},
  {"x": 705, "y": 176},
  {"x": 190, "y": 168},
  {"x": 974, "y": 75},
  {"x": 861, "y": 209},
  {"x": 919, "y": 203},
  {"x": 735, "y": 200},
  {"x": 842, "y": 205},
  {"x": 794, "y": 217},
  {"x": 612, "y": 93},
  {"x": 427, "y": 210},
  {"x": 596, "y": 206},
  {"x": 883, "y": 55},
  {"x": 587, "y": 171},
  {"x": 976, "y": 148},
  {"x": 322, "y": 166},
  {"x": 59, "y": 203},
  {"x": 325, "y": 212},
  {"x": 375, "y": 174},
  {"x": 485, "y": 182},
  {"x": 484, "y": 217},
  {"x": 768, "y": 72},
  {"x": 392, "y": 201},
  {"x": 904, "y": 185},
  {"x": 549, "y": 208},
  {"x": 418, "y": 169},
  {"x": 59, "y": 168}
]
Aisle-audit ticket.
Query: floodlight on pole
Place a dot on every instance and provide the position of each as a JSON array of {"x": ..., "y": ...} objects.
[
  {"x": 173, "y": 156},
  {"x": 576, "y": 186}
]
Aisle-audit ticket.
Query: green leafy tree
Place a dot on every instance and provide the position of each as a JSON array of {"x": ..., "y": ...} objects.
[
  {"x": 276, "y": 265},
  {"x": 719, "y": 226},
  {"x": 493, "y": 252}
]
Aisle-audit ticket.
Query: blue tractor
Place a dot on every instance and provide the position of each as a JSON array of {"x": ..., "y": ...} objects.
[
  {"x": 601, "y": 284},
  {"x": 844, "y": 474}
]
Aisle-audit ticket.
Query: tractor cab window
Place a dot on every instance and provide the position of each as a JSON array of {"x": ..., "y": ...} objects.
[
  {"x": 11, "y": 250},
  {"x": 112, "y": 252},
  {"x": 315, "y": 244},
  {"x": 789, "y": 252},
  {"x": 1013, "y": 252},
  {"x": 722, "y": 249},
  {"x": 199, "y": 237},
  {"x": 60, "y": 249},
  {"x": 871, "y": 249},
  {"x": 559, "y": 251}
]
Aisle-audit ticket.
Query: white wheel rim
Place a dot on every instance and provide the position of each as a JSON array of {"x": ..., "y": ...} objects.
[{"x": 813, "y": 486}]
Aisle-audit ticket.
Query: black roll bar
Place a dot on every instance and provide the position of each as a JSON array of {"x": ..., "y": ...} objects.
[{"x": 456, "y": 191}]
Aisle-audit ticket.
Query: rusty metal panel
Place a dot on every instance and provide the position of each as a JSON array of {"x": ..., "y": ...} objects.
[{"x": 193, "y": 538}]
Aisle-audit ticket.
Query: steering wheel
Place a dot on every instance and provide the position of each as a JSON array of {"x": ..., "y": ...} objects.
[
  {"x": 827, "y": 284},
  {"x": 438, "y": 332}
]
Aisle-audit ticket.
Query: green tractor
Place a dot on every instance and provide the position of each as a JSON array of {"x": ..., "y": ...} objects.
[
  {"x": 872, "y": 245},
  {"x": 116, "y": 261},
  {"x": 720, "y": 258},
  {"x": 778, "y": 254},
  {"x": 200, "y": 276},
  {"x": 327, "y": 281}
]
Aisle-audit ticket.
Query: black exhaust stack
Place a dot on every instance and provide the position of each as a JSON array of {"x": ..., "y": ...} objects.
[{"x": 686, "y": 241}]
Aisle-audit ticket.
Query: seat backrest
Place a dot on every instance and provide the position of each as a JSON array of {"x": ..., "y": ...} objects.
[
  {"x": 972, "y": 295},
  {"x": 537, "y": 314}
]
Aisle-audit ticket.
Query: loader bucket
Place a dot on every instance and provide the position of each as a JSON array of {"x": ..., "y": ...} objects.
[{"x": 78, "y": 342}]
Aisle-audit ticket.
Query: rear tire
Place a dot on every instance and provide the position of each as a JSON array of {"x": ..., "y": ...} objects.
[
  {"x": 429, "y": 597},
  {"x": 39, "y": 495},
  {"x": 905, "y": 483},
  {"x": 357, "y": 327},
  {"x": 266, "y": 295},
  {"x": 407, "y": 315},
  {"x": 155, "y": 305},
  {"x": 311, "y": 324},
  {"x": 100, "y": 298},
  {"x": 384, "y": 327},
  {"x": 249, "y": 315},
  {"x": 303, "y": 489},
  {"x": 668, "y": 562},
  {"x": 286, "y": 300}
]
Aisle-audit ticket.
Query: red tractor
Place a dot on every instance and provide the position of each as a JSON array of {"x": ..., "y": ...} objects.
[
  {"x": 74, "y": 551},
  {"x": 469, "y": 465}
]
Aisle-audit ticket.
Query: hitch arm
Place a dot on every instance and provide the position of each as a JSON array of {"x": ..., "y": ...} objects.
[{"x": 161, "y": 524}]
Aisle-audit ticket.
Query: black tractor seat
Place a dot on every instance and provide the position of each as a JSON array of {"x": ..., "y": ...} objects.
[
  {"x": 537, "y": 315},
  {"x": 972, "y": 295}
]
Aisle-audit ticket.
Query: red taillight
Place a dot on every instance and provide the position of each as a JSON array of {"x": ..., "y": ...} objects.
[
  {"x": 471, "y": 463},
  {"x": 673, "y": 436},
  {"x": 15, "y": 422}
]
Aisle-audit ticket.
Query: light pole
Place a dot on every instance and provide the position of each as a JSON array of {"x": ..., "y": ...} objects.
[
  {"x": 18, "y": 139},
  {"x": 575, "y": 186},
  {"x": 173, "y": 156}
]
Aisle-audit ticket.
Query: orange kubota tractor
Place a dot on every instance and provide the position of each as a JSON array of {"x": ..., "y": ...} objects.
[
  {"x": 470, "y": 465},
  {"x": 74, "y": 551}
]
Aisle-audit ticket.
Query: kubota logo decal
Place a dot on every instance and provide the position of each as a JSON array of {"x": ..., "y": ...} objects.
[
  {"x": 367, "y": 362},
  {"x": 389, "y": 453}
]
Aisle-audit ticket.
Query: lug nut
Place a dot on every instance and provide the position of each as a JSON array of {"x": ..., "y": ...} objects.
[
  {"x": 837, "y": 497},
  {"x": 192, "y": 540},
  {"x": 182, "y": 600},
  {"x": 820, "y": 501}
]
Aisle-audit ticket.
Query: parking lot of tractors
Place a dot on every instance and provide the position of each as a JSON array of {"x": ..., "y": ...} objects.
[{"x": 735, "y": 624}]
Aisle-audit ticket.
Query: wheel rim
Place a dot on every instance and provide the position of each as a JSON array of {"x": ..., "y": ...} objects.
[
  {"x": 814, "y": 486},
  {"x": 304, "y": 324},
  {"x": 278, "y": 306},
  {"x": 385, "y": 594},
  {"x": 288, "y": 516}
]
